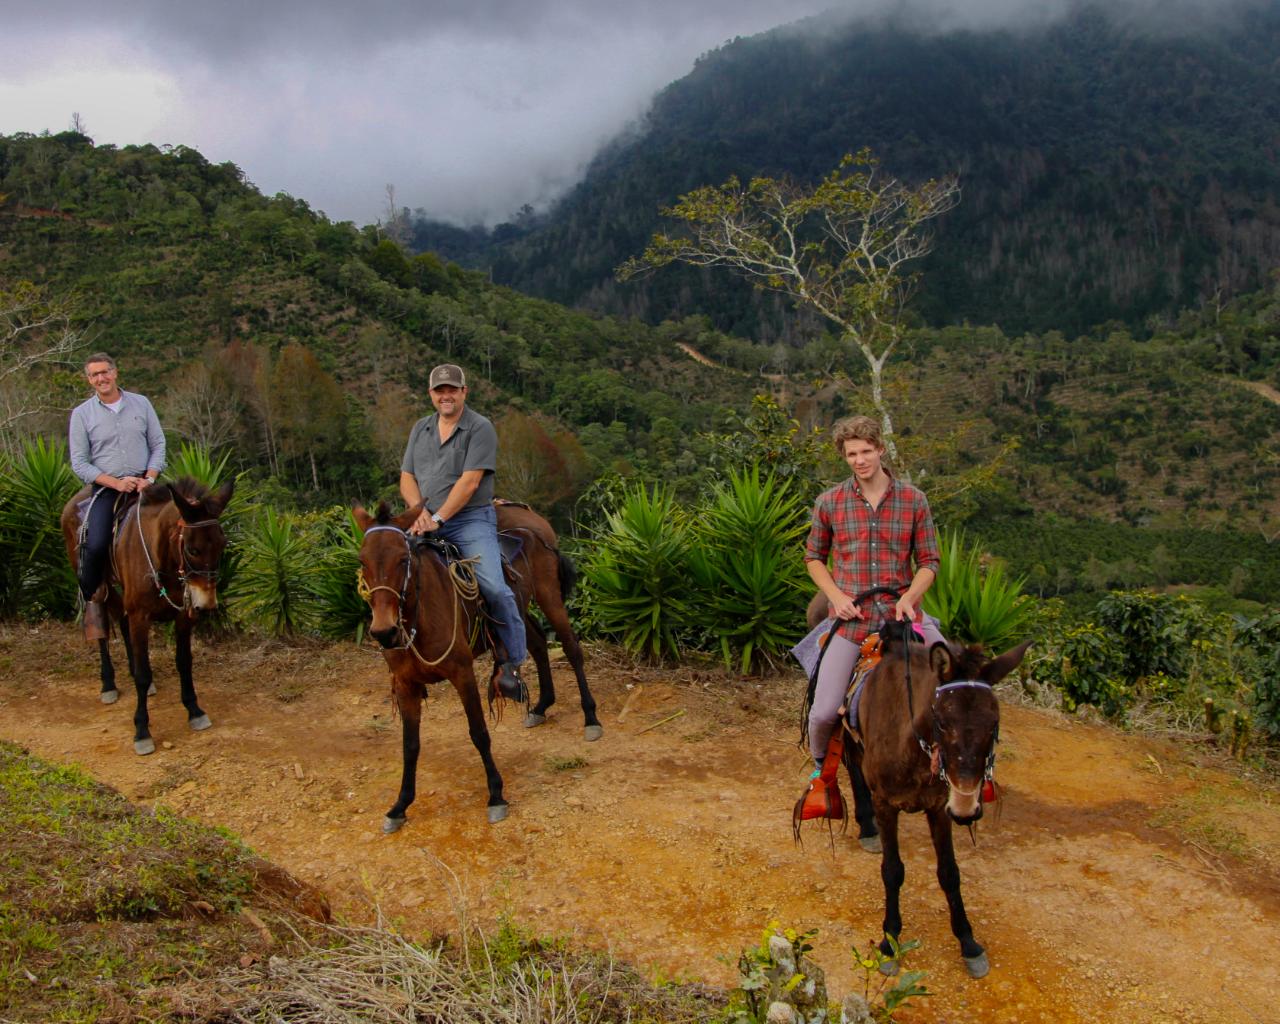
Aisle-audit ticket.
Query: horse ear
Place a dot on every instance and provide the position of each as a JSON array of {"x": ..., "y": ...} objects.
[
  {"x": 362, "y": 518},
  {"x": 999, "y": 667},
  {"x": 217, "y": 502},
  {"x": 942, "y": 661},
  {"x": 189, "y": 511},
  {"x": 406, "y": 519}
]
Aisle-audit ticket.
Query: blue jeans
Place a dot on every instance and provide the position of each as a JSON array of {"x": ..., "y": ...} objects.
[
  {"x": 97, "y": 541},
  {"x": 475, "y": 531}
]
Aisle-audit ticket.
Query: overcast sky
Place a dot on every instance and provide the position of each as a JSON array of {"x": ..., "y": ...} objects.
[{"x": 469, "y": 107}]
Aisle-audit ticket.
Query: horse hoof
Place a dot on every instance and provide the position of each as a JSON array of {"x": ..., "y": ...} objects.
[
  {"x": 592, "y": 733},
  {"x": 144, "y": 747},
  {"x": 978, "y": 966},
  {"x": 109, "y": 696},
  {"x": 496, "y": 813},
  {"x": 870, "y": 843},
  {"x": 533, "y": 719},
  {"x": 200, "y": 724},
  {"x": 390, "y": 825},
  {"x": 152, "y": 691},
  {"x": 889, "y": 968}
]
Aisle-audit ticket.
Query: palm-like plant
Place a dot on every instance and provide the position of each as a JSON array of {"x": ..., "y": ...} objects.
[
  {"x": 274, "y": 581},
  {"x": 342, "y": 611},
  {"x": 977, "y": 604},
  {"x": 637, "y": 574},
  {"x": 36, "y": 576},
  {"x": 749, "y": 568}
]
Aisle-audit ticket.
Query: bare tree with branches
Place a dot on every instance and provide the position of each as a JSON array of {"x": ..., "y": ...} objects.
[
  {"x": 37, "y": 334},
  {"x": 840, "y": 248}
]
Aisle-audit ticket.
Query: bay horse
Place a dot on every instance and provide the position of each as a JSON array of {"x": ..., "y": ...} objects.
[
  {"x": 164, "y": 558},
  {"x": 927, "y": 723},
  {"x": 430, "y": 631}
]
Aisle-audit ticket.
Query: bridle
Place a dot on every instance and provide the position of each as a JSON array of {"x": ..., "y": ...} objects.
[
  {"x": 185, "y": 572},
  {"x": 461, "y": 589},
  {"x": 933, "y": 751},
  {"x": 989, "y": 767}
]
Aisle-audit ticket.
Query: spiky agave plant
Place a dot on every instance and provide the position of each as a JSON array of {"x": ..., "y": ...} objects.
[
  {"x": 343, "y": 613},
  {"x": 36, "y": 575},
  {"x": 976, "y": 603},
  {"x": 273, "y": 587},
  {"x": 637, "y": 574},
  {"x": 749, "y": 568}
]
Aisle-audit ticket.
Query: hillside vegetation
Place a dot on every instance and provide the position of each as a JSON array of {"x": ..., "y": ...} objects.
[
  {"x": 300, "y": 346},
  {"x": 1110, "y": 169}
]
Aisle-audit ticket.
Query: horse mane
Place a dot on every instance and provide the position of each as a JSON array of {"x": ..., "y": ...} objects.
[
  {"x": 190, "y": 489},
  {"x": 382, "y": 515}
]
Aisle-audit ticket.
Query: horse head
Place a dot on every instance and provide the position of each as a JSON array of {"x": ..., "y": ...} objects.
[
  {"x": 197, "y": 540},
  {"x": 386, "y": 568},
  {"x": 966, "y": 721}
]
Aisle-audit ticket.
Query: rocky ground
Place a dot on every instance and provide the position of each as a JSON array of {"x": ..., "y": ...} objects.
[{"x": 1127, "y": 878}]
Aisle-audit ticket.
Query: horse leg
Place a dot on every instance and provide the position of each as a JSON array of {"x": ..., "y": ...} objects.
[
  {"x": 467, "y": 689},
  {"x": 128, "y": 651},
  {"x": 107, "y": 673},
  {"x": 536, "y": 641},
  {"x": 892, "y": 873},
  {"x": 863, "y": 810},
  {"x": 975, "y": 957},
  {"x": 408, "y": 700},
  {"x": 139, "y": 629},
  {"x": 196, "y": 718},
  {"x": 553, "y": 608}
]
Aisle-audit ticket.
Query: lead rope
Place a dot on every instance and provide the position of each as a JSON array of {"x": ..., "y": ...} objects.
[
  {"x": 153, "y": 574},
  {"x": 464, "y": 584}
]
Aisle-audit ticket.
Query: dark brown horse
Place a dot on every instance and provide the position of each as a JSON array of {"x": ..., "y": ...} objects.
[
  {"x": 431, "y": 631},
  {"x": 164, "y": 559},
  {"x": 542, "y": 573},
  {"x": 928, "y": 723}
]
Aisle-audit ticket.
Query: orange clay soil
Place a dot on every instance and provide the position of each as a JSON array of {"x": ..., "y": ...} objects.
[{"x": 1127, "y": 879}]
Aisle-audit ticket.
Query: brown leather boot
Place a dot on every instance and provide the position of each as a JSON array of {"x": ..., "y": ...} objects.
[{"x": 95, "y": 621}]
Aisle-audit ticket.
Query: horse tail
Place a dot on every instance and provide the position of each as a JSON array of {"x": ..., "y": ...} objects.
[{"x": 568, "y": 574}]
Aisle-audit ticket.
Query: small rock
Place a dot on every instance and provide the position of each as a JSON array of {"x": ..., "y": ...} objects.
[
  {"x": 410, "y": 902},
  {"x": 297, "y": 770},
  {"x": 167, "y": 744},
  {"x": 781, "y": 1013},
  {"x": 572, "y": 801}
]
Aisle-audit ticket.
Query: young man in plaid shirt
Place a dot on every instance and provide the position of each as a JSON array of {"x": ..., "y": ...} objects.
[{"x": 874, "y": 528}]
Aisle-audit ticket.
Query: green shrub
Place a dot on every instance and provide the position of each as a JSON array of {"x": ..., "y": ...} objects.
[
  {"x": 1088, "y": 668},
  {"x": 35, "y": 573},
  {"x": 638, "y": 574},
  {"x": 747, "y": 561},
  {"x": 274, "y": 578},
  {"x": 1263, "y": 637},
  {"x": 342, "y": 612},
  {"x": 977, "y": 603}
]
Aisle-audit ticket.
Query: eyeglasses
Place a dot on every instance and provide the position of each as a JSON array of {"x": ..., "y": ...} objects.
[{"x": 102, "y": 373}]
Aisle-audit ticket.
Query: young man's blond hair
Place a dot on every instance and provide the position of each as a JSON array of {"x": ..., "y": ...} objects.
[{"x": 856, "y": 428}]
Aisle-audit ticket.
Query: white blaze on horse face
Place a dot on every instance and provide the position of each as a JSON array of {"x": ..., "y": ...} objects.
[
  {"x": 203, "y": 595},
  {"x": 964, "y": 798}
]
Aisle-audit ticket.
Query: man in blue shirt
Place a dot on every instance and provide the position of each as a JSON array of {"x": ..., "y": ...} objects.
[
  {"x": 117, "y": 446},
  {"x": 448, "y": 466}
]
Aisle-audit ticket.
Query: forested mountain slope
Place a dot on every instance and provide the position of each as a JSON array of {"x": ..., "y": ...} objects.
[
  {"x": 1110, "y": 170},
  {"x": 302, "y": 346}
]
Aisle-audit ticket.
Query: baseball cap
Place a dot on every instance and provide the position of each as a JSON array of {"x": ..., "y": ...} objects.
[{"x": 448, "y": 373}]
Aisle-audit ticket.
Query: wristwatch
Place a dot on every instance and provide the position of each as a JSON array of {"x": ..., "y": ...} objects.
[{"x": 436, "y": 518}]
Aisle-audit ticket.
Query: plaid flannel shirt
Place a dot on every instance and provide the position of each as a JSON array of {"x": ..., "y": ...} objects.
[{"x": 872, "y": 547}]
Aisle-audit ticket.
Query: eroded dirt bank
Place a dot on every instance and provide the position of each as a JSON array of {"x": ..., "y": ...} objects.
[{"x": 1123, "y": 881}]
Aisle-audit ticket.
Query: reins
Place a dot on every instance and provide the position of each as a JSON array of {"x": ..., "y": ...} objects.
[
  {"x": 464, "y": 585},
  {"x": 183, "y": 570}
]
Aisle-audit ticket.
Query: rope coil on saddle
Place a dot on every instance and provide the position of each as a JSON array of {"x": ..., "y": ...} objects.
[{"x": 462, "y": 576}]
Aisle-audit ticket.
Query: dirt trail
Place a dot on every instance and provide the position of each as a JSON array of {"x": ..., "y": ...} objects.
[{"x": 1123, "y": 881}]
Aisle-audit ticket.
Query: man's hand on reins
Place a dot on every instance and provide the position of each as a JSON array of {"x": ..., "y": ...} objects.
[
  {"x": 904, "y": 610},
  {"x": 424, "y": 523}
]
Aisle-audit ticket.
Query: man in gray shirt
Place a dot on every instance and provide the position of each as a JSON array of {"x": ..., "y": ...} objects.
[
  {"x": 448, "y": 467},
  {"x": 117, "y": 446}
]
